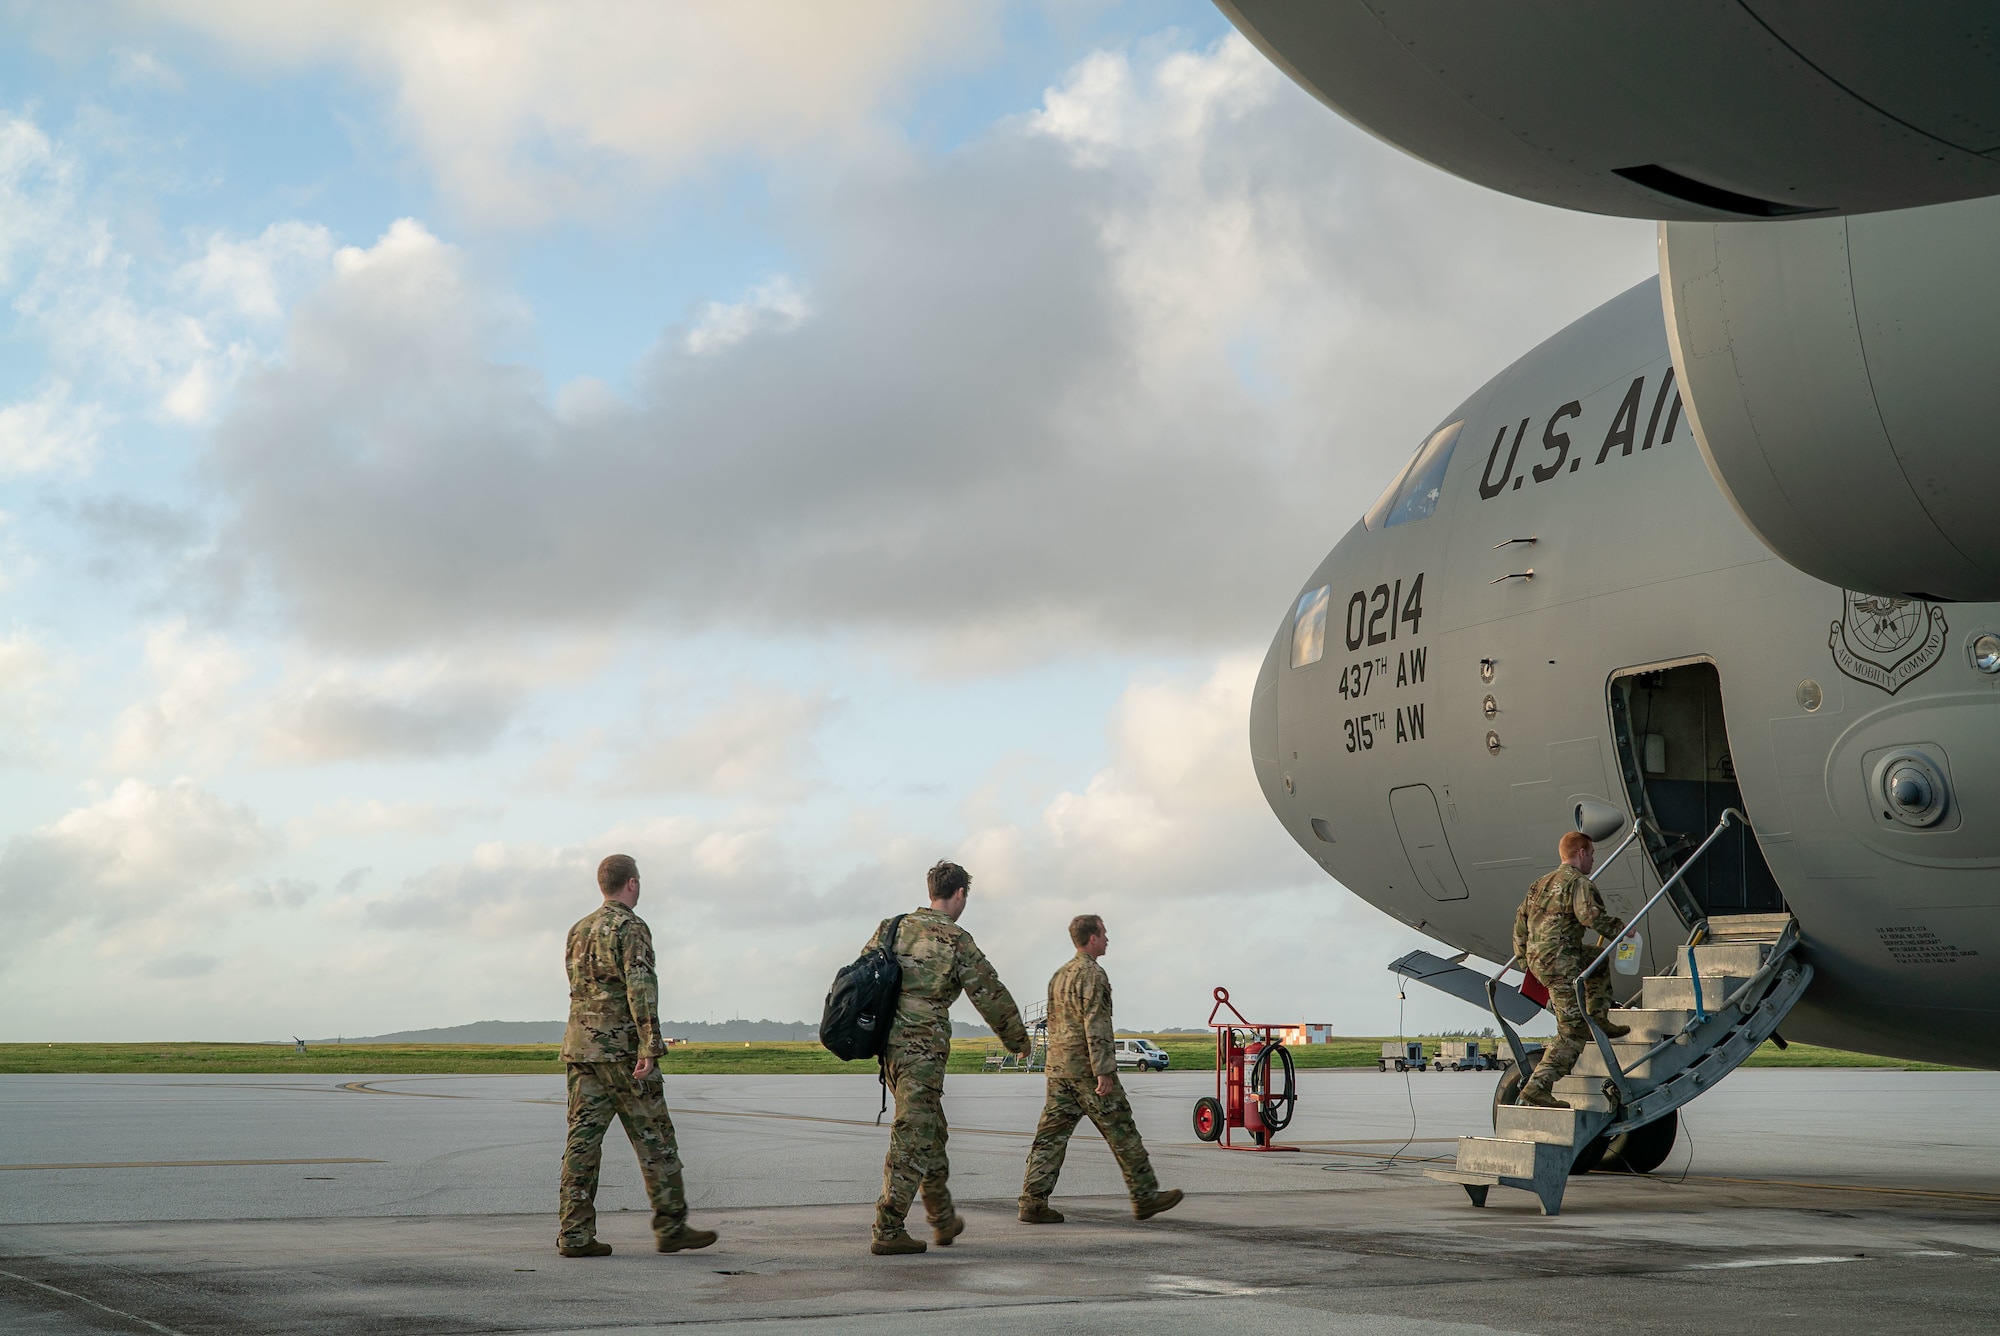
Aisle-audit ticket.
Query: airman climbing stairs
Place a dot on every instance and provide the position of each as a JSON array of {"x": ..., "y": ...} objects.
[{"x": 1728, "y": 992}]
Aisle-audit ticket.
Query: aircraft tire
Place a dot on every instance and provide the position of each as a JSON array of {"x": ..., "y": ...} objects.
[
  {"x": 1590, "y": 1157},
  {"x": 1506, "y": 1090},
  {"x": 1644, "y": 1149}
]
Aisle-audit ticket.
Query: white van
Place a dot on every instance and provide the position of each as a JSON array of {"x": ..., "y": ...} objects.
[{"x": 1142, "y": 1054}]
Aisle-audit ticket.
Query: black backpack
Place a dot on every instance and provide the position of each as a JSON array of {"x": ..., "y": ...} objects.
[{"x": 862, "y": 1002}]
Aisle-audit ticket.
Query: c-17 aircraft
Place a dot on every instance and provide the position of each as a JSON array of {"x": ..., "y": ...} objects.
[{"x": 1714, "y": 566}]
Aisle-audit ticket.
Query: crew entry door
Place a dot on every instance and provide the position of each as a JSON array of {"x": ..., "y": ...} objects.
[
  {"x": 1414, "y": 809},
  {"x": 1680, "y": 776}
]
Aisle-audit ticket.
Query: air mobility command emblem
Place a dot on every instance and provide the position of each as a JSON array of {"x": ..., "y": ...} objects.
[{"x": 1886, "y": 642}]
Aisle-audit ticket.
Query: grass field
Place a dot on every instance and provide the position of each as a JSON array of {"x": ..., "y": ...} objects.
[{"x": 1189, "y": 1053}]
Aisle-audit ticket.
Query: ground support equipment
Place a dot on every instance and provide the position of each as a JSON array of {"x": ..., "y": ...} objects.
[{"x": 1249, "y": 1059}]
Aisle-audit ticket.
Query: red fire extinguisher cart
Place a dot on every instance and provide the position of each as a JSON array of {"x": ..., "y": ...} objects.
[{"x": 1256, "y": 1086}]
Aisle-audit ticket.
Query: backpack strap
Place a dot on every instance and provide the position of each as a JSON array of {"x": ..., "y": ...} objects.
[{"x": 881, "y": 1061}]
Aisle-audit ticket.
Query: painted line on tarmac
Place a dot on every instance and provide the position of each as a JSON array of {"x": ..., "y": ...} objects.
[
  {"x": 369, "y": 1088},
  {"x": 181, "y": 1164},
  {"x": 365, "y": 1088},
  {"x": 1744, "y": 1264},
  {"x": 1328, "y": 1148},
  {"x": 86, "y": 1299},
  {"x": 1381, "y": 1141},
  {"x": 1821, "y": 1187}
]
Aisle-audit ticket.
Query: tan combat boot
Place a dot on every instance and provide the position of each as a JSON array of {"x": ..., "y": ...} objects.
[
  {"x": 944, "y": 1231},
  {"x": 1039, "y": 1213},
  {"x": 1611, "y": 1029},
  {"x": 1145, "y": 1208},
  {"x": 1535, "y": 1094},
  {"x": 684, "y": 1239},
  {"x": 895, "y": 1244},
  {"x": 594, "y": 1248}
]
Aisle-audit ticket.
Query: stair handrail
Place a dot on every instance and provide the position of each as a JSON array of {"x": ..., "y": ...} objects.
[
  {"x": 1610, "y": 1056},
  {"x": 1493, "y": 984},
  {"x": 1493, "y": 1005},
  {"x": 1738, "y": 1000}
]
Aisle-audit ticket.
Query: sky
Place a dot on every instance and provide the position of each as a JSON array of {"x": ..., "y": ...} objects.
[{"x": 443, "y": 444}]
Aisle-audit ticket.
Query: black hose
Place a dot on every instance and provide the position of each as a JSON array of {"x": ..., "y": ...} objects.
[{"x": 1266, "y": 1103}]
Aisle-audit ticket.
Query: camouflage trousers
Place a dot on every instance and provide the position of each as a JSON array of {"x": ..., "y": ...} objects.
[
  {"x": 1070, "y": 1101},
  {"x": 1572, "y": 1033},
  {"x": 916, "y": 1160},
  {"x": 599, "y": 1092}
]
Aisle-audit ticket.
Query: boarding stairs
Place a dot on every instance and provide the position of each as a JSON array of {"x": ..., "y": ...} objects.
[{"x": 1733, "y": 983}]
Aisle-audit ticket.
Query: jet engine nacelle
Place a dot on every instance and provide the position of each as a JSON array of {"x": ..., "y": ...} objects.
[
  {"x": 1693, "y": 110},
  {"x": 1839, "y": 376}
]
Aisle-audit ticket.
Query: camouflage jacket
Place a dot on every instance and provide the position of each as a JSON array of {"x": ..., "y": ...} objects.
[
  {"x": 1559, "y": 907},
  {"x": 1080, "y": 1040},
  {"x": 614, "y": 996},
  {"x": 940, "y": 960}
]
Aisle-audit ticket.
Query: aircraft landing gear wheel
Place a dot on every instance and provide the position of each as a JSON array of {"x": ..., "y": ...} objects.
[
  {"x": 1590, "y": 1157},
  {"x": 1208, "y": 1119},
  {"x": 1644, "y": 1149},
  {"x": 1507, "y": 1090}
]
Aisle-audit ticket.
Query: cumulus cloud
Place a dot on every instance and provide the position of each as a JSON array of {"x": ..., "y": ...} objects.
[
  {"x": 1173, "y": 843},
  {"x": 167, "y": 339},
  {"x": 37, "y": 188},
  {"x": 188, "y": 714},
  {"x": 341, "y": 716},
  {"x": 728, "y": 872},
  {"x": 134, "y": 68},
  {"x": 532, "y": 110},
  {"x": 1118, "y": 372},
  {"x": 48, "y": 431},
  {"x": 774, "y": 305},
  {"x": 256, "y": 277},
  {"x": 29, "y": 678},
  {"x": 180, "y": 965},
  {"x": 1176, "y": 813},
  {"x": 349, "y": 818},
  {"x": 756, "y": 741},
  {"x": 209, "y": 704},
  {"x": 1170, "y": 837},
  {"x": 134, "y": 867}
]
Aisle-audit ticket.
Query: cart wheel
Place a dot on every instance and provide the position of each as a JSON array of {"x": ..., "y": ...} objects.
[{"x": 1208, "y": 1119}]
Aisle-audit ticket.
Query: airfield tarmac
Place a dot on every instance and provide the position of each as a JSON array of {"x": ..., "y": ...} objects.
[{"x": 1833, "y": 1200}]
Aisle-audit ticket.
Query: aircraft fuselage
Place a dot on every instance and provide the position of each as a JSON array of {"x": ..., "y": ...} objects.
[{"x": 1471, "y": 686}]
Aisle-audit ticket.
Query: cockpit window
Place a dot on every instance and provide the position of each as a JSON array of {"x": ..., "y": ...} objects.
[
  {"x": 1414, "y": 494},
  {"x": 1309, "y": 631}
]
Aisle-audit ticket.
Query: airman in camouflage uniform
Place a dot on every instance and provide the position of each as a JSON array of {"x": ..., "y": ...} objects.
[
  {"x": 939, "y": 961},
  {"x": 1548, "y": 939},
  {"x": 1083, "y": 1083},
  {"x": 612, "y": 1048}
]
